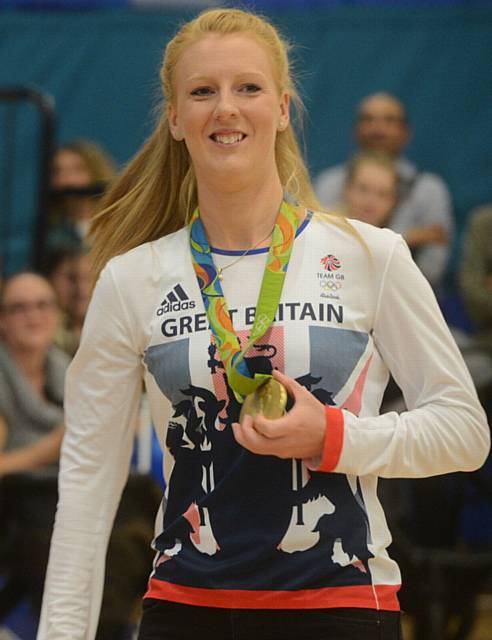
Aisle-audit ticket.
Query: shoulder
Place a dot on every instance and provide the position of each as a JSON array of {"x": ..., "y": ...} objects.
[
  {"x": 355, "y": 233},
  {"x": 137, "y": 270},
  {"x": 334, "y": 173},
  {"x": 7, "y": 366},
  {"x": 481, "y": 216},
  {"x": 148, "y": 257},
  {"x": 362, "y": 248},
  {"x": 58, "y": 358},
  {"x": 432, "y": 184},
  {"x": 129, "y": 285}
]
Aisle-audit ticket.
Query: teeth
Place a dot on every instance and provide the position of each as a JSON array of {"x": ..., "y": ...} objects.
[{"x": 229, "y": 138}]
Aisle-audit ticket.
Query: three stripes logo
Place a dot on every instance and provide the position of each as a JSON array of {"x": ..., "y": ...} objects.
[{"x": 175, "y": 300}]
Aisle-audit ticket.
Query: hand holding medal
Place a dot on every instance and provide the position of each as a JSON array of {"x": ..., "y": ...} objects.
[
  {"x": 269, "y": 400},
  {"x": 298, "y": 433}
]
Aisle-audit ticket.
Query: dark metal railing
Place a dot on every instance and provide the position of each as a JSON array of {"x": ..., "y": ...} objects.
[{"x": 45, "y": 107}]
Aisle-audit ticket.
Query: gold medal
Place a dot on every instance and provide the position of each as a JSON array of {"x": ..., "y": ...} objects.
[{"x": 269, "y": 400}]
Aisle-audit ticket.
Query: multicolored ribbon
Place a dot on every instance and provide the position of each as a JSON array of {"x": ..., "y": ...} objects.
[{"x": 238, "y": 375}]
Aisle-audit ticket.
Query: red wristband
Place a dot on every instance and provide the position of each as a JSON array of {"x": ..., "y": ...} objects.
[{"x": 332, "y": 448}]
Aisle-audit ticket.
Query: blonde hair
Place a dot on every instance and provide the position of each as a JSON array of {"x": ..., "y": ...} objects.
[
  {"x": 100, "y": 165},
  {"x": 156, "y": 193},
  {"x": 377, "y": 158}
]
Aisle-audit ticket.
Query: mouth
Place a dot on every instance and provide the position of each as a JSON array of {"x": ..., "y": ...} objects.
[{"x": 228, "y": 138}]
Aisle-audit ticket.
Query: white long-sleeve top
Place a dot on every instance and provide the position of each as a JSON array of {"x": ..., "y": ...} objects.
[{"x": 237, "y": 529}]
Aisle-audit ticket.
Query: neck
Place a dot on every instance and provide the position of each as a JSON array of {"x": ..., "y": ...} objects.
[
  {"x": 239, "y": 220},
  {"x": 81, "y": 208}
]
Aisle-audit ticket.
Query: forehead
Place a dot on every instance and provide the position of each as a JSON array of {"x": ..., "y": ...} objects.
[
  {"x": 374, "y": 172},
  {"x": 68, "y": 157},
  {"x": 223, "y": 54},
  {"x": 26, "y": 287},
  {"x": 382, "y": 105}
]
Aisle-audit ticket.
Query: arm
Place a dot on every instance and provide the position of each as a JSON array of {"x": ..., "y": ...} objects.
[
  {"x": 430, "y": 236},
  {"x": 45, "y": 451},
  {"x": 475, "y": 275},
  {"x": 445, "y": 428},
  {"x": 101, "y": 407}
]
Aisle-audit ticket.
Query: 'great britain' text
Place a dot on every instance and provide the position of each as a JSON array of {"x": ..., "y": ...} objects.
[{"x": 287, "y": 311}]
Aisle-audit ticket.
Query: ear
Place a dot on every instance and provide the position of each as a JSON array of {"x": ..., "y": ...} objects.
[
  {"x": 174, "y": 127},
  {"x": 284, "y": 112},
  {"x": 408, "y": 134}
]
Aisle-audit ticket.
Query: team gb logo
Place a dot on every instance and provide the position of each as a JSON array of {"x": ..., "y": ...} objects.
[{"x": 331, "y": 263}]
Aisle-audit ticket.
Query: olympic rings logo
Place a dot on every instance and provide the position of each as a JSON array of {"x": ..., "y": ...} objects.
[{"x": 331, "y": 285}]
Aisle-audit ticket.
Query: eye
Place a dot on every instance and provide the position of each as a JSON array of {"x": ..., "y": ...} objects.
[
  {"x": 250, "y": 87},
  {"x": 202, "y": 92}
]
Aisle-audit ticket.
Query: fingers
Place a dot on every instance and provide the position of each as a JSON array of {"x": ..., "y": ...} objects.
[
  {"x": 292, "y": 386},
  {"x": 250, "y": 438}
]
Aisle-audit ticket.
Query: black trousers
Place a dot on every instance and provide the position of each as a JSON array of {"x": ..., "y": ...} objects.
[{"x": 163, "y": 620}]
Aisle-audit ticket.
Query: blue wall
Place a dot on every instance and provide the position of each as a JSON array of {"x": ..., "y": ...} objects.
[{"x": 102, "y": 69}]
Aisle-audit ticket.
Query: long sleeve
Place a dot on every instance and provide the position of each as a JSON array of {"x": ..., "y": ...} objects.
[
  {"x": 445, "y": 428},
  {"x": 101, "y": 403}
]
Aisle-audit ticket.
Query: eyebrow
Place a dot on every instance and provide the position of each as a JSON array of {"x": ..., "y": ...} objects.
[{"x": 206, "y": 78}]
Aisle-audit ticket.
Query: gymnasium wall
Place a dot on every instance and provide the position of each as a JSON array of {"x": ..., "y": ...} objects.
[{"x": 101, "y": 67}]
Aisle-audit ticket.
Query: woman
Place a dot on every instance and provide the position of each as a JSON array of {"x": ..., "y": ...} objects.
[
  {"x": 257, "y": 536},
  {"x": 81, "y": 172},
  {"x": 69, "y": 271},
  {"x": 32, "y": 373},
  {"x": 371, "y": 190}
]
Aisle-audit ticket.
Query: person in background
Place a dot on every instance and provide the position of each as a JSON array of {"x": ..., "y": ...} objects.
[
  {"x": 81, "y": 172},
  {"x": 32, "y": 375},
  {"x": 31, "y": 368},
  {"x": 271, "y": 526},
  {"x": 370, "y": 193},
  {"x": 475, "y": 279},
  {"x": 32, "y": 378},
  {"x": 68, "y": 269},
  {"x": 423, "y": 214}
]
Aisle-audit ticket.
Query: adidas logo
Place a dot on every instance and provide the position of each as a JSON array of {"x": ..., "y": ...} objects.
[{"x": 176, "y": 300}]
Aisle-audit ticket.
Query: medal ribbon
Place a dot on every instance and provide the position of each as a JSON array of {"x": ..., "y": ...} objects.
[{"x": 238, "y": 375}]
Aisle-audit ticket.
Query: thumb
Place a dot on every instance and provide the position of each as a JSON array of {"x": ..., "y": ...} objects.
[{"x": 292, "y": 386}]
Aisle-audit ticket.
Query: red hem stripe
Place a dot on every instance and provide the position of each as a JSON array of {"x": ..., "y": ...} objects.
[
  {"x": 332, "y": 449},
  {"x": 363, "y": 596}
]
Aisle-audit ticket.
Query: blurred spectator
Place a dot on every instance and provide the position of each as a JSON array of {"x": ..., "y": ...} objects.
[
  {"x": 69, "y": 271},
  {"x": 371, "y": 191},
  {"x": 81, "y": 172},
  {"x": 423, "y": 214},
  {"x": 476, "y": 273},
  {"x": 476, "y": 291},
  {"x": 32, "y": 373}
]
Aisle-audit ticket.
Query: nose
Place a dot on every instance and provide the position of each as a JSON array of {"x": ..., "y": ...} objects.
[{"x": 226, "y": 107}]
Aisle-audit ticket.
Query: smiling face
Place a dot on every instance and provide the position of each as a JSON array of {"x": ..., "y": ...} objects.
[
  {"x": 382, "y": 126},
  {"x": 28, "y": 313},
  {"x": 228, "y": 110}
]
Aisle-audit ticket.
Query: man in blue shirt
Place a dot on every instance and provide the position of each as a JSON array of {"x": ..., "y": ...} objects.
[{"x": 423, "y": 214}]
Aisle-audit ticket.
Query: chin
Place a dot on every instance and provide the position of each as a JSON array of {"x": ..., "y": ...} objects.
[{"x": 36, "y": 344}]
